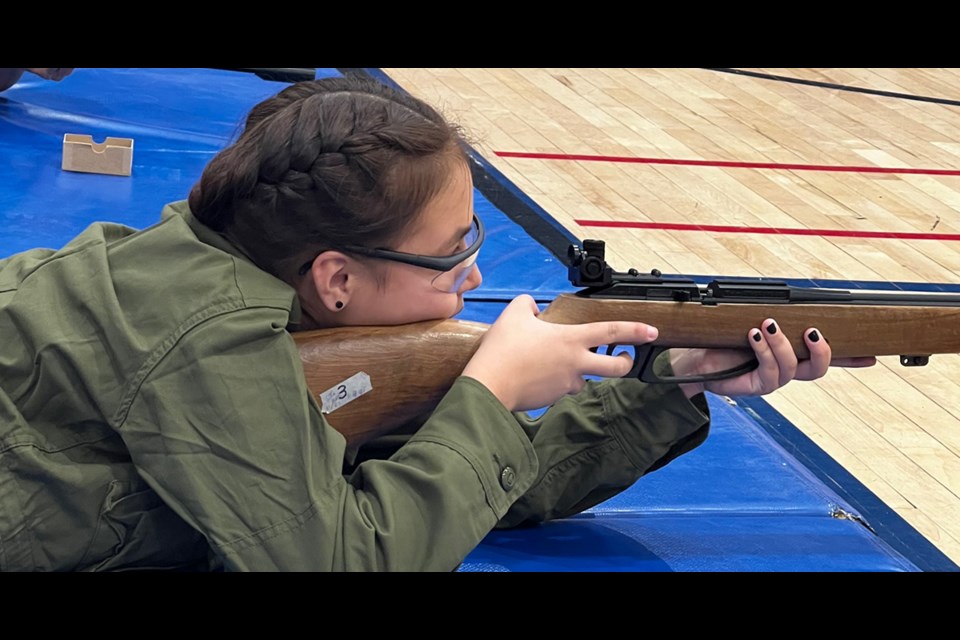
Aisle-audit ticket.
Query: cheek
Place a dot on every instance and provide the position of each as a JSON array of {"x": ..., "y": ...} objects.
[
  {"x": 411, "y": 299},
  {"x": 426, "y": 306}
]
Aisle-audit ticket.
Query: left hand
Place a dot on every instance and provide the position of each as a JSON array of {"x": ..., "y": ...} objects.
[{"x": 778, "y": 363}]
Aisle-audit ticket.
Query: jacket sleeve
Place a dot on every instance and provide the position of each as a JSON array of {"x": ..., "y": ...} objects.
[
  {"x": 223, "y": 427},
  {"x": 595, "y": 444}
]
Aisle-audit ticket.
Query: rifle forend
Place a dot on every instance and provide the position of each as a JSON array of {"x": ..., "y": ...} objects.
[{"x": 913, "y": 326}]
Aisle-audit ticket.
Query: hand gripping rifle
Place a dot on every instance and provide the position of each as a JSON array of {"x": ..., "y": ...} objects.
[{"x": 372, "y": 380}]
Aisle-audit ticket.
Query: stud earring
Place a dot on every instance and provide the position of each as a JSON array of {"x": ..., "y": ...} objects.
[{"x": 339, "y": 305}]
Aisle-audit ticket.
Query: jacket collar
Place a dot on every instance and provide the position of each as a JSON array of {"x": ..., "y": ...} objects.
[{"x": 208, "y": 236}]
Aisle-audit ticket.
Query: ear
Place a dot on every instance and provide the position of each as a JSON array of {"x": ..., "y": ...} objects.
[{"x": 334, "y": 276}]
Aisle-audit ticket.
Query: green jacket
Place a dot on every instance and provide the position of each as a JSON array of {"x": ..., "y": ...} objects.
[{"x": 154, "y": 414}]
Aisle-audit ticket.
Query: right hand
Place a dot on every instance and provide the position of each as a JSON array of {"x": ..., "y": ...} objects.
[{"x": 528, "y": 363}]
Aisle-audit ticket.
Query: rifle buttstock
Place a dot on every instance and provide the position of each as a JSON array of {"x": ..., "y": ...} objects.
[{"x": 410, "y": 367}]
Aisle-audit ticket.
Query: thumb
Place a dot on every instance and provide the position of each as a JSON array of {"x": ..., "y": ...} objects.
[{"x": 524, "y": 303}]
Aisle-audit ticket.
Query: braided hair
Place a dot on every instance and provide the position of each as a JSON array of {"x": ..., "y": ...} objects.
[{"x": 324, "y": 164}]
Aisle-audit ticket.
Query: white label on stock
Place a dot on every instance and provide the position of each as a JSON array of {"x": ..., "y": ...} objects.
[{"x": 347, "y": 391}]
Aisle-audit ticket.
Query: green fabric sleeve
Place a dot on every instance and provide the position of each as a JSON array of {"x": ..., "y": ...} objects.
[
  {"x": 224, "y": 429},
  {"x": 595, "y": 444}
]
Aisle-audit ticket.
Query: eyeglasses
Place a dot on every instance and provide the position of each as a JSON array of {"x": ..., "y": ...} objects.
[{"x": 454, "y": 269}]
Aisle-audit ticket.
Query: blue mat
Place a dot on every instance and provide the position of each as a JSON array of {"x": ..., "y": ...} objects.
[{"x": 738, "y": 503}]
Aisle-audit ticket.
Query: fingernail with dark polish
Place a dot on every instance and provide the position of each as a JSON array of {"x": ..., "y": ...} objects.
[
  {"x": 772, "y": 329},
  {"x": 756, "y": 337},
  {"x": 814, "y": 336}
]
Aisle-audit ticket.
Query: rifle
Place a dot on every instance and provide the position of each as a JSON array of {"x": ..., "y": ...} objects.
[{"x": 373, "y": 380}]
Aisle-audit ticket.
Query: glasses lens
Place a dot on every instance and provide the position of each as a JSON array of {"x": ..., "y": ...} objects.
[
  {"x": 473, "y": 235},
  {"x": 451, "y": 281}
]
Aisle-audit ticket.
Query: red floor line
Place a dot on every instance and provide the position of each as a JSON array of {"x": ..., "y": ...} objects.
[
  {"x": 667, "y": 226},
  {"x": 723, "y": 163}
]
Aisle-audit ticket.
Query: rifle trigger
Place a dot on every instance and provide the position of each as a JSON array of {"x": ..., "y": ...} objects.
[{"x": 644, "y": 358}]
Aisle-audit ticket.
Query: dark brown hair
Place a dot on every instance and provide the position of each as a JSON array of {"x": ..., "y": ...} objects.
[{"x": 324, "y": 164}]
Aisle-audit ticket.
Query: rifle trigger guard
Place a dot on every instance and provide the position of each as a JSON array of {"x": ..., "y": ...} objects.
[{"x": 646, "y": 356}]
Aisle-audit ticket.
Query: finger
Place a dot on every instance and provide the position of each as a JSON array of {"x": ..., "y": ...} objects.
[
  {"x": 607, "y": 366},
  {"x": 782, "y": 350},
  {"x": 577, "y": 386},
  {"x": 767, "y": 374},
  {"x": 595, "y": 334},
  {"x": 820, "y": 356}
]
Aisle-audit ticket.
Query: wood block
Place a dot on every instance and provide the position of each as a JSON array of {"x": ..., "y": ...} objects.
[{"x": 113, "y": 156}]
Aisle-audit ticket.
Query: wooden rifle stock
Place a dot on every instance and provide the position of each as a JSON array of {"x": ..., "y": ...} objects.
[
  {"x": 411, "y": 367},
  {"x": 852, "y": 330}
]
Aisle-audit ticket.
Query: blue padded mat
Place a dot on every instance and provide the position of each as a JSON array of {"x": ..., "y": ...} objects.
[
  {"x": 178, "y": 118},
  {"x": 739, "y": 502}
]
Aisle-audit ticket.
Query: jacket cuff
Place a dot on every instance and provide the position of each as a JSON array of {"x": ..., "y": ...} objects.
[
  {"x": 475, "y": 424},
  {"x": 654, "y": 423}
]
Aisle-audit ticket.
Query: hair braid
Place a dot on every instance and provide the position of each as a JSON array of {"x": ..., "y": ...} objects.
[{"x": 326, "y": 163}]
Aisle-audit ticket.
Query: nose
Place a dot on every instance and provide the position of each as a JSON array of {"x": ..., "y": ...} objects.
[{"x": 473, "y": 280}]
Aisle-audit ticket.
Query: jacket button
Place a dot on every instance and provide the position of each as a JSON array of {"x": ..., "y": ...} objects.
[{"x": 508, "y": 478}]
